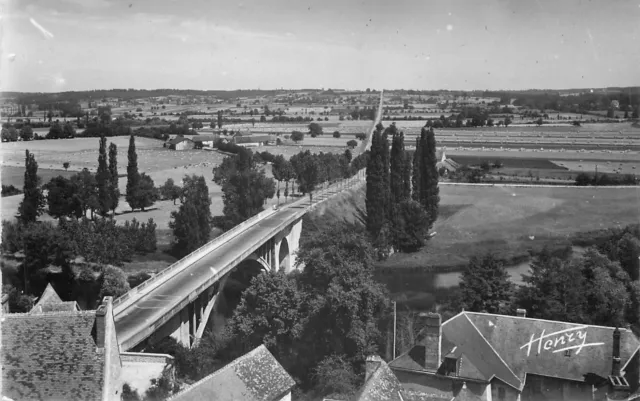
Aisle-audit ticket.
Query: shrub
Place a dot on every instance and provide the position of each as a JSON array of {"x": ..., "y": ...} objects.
[{"x": 10, "y": 190}]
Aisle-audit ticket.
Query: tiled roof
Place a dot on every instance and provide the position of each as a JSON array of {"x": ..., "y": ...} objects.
[
  {"x": 255, "y": 376},
  {"x": 51, "y": 356},
  {"x": 204, "y": 138},
  {"x": 383, "y": 385},
  {"x": 69, "y": 306},
  {"x": 498, "y": 346},
  {"x": 49, "y": 295},
  {"x": 412, "y": 395}
]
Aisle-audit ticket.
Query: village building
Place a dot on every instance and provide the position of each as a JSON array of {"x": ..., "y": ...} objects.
[
  {"x": 446, "y": 166},
  {"x": 490, "y": 357},
  {"x": 205, "y": 140},
  {"x": 58, "y": 352},
  {"x": 180, "y": 143},
  {"x": 255, "y": 376},
  {"x": 251, "y": 139}
]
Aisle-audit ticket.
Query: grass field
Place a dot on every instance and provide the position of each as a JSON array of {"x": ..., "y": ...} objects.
[{"x": 507, "y": 221}]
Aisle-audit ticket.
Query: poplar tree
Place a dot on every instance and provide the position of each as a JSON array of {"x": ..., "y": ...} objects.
[
  {"x": 191, "y": 224},
  {"x": 133, "y": 177},
  {"x": 430, "y": 177},
  {"x": 377, "y": 196},
  {"x": 113, "y": 173},
  {"x": 406, "y": 175},
  {"x": 103, "y": 179},
  {"x": 32, "y": 204},
  {"x": 416, "y": 175}
]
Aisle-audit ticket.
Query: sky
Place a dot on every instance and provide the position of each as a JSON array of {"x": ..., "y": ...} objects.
[{"x": 64, "y": 45}]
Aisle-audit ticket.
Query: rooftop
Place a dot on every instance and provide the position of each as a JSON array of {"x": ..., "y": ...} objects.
[
  {"x": 255, "y": 376},
  {"x": 510, "y": 347},
  {"x": 51, "y": 356}
]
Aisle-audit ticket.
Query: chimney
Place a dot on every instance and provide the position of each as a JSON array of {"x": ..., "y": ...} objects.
[
  {"x": 521, "y": 312},
  {"x": 372, "y": 364},
  {"x": 102, "y": 314},
  {"x": 615, "y": 369},
  {"x": 431, "y": 339}
]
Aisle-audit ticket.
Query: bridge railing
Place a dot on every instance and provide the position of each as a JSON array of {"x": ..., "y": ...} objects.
[{"x": 176, "y": 267}]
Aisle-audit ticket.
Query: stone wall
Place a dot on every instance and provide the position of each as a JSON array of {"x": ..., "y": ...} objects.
[{"x": 139, "y": 368}]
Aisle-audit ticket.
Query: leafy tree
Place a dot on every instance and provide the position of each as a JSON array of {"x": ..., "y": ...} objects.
[
  {"x": 191, "y": 224},
  {"x": 244, "y": 195},
  {"x": 171, "y": 191},
  {"x": 485, "y": 286},
  {"x": 68, "y": 131},
  {"x": 55, "y": 131},
  {"x": 297, "y": 136},
  {"x": 336, "y": 134},
  {"x": 271, "y": 312},
  {"x": 113, "y": 282},
  {"x": 26, "y": 133},
  {"x": 62, "y": 198},
  {"x": 129, "y": 394},
  {"x": 348, "y": 156},
  {"x": 411, "y": 226},
  {"x": 114, "y": 191},
  {"x": 66, "y": 165},
  {"x": 103, "y": 180},
  {"x": 32, "y": 204},
  {"x": 133, "y": 176},
  {"x": 352, "y": 143},
  {"x": 145, "y": 194},
  {"x": 335, "y": 376},
  {"x": 86, "y": 191}
]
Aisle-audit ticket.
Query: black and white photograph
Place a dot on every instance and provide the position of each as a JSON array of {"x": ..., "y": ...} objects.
[{"x": 320, "y": 200}]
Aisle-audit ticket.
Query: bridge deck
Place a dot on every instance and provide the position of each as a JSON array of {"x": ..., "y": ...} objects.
[{"x": 157, "y": 304}]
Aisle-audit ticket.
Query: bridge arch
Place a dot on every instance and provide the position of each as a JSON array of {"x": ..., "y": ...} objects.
[{"x": 284, "y": 256}]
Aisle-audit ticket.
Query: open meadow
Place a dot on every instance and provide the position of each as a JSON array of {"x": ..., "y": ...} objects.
[{"x": 508, "y": 221}]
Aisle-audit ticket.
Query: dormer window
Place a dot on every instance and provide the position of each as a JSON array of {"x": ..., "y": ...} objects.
[{"x": 450, "y": 366}]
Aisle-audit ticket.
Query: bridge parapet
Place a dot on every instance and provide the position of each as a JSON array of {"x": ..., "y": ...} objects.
[{"x": 156, "y": 280}]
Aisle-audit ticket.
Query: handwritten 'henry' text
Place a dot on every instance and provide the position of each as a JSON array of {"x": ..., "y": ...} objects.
[{"x": 559, "y": 341}]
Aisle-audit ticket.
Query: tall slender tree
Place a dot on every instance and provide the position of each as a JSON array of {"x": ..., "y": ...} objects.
[
  {"x": 377, "y": 193},
  {"x": 191, "y": 224},
  {"x": 103, "y": 179},
  {"x": 113, "y": 173},
  {"x": 133, "y": 176},
  {"x": 32, "y": 204},
  {"x": 416, "y": 175},
  {"x": 406, "y": 175},
  {"x": 430, "y": 177}
]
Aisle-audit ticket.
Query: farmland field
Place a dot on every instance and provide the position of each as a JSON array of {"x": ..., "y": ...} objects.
[{"x": 508, "y": 221}]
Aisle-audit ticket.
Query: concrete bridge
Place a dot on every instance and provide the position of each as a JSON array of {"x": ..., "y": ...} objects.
[{"x": 181, "y": 300}]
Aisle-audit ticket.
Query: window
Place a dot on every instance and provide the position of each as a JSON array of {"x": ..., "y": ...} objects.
[{"x": 502, "y": 394}]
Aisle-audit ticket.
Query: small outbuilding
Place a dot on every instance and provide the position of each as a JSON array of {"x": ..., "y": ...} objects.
[
  {"x": 181, "y": 143},
  {"x": 204, "y": 140}
]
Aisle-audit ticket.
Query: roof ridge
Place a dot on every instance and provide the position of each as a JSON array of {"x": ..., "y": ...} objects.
[
  {"x": 52, "y": 313},
  {"x": 193, "y": 385},
  {"x": 546, "y": 320},
  {"x": 494, "y": 351}
]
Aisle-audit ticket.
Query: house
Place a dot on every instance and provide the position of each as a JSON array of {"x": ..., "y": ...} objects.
[
  {"x": 256, "y": 375},
  {"x": 484, "y": 356},
  {"x": 445, "y": 164},
  {"x": 181, "y": 143},
  {"x": 205, "y": 140},
  {"x": 58, "y": 352},
  {"x": 251, "y": 139}
]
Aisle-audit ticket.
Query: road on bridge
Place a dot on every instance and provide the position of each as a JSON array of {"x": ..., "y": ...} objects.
[{"x": 155, "y": 305}]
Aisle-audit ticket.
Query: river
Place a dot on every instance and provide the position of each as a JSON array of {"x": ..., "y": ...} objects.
[{"x": 452, "y": 279}]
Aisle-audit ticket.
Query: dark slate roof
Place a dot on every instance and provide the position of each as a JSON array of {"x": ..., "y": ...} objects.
[
  {"x": 497, "y": 346},
  {"x": 51, "y": 356},
  {"x": 255, "y": 376},
  {"x": 412, "y": 395},
  {"x": 49, "y": 295},
  {"x": 383, "y": 385}
]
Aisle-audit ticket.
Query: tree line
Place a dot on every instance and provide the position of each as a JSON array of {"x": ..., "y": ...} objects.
[{"x": 402, "y": 194}]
